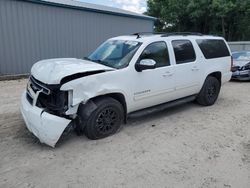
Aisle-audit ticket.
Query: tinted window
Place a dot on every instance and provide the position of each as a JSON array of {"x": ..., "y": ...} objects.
[
  {"x": 184, "y": 51},
  {"x": 212, "y": 48},
  {"x": 157, "y": 51}
]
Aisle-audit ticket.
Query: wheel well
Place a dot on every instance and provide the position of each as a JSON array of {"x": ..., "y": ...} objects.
[
  {"x": 217, "y": 75},
  {"x": 117, "y": 96}
]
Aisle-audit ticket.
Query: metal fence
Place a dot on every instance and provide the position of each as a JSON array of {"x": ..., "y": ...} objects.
[{"x": 239, "y": 46}]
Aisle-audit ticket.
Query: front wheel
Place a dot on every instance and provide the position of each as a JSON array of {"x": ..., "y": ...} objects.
[
  {"x": 105, "y": 120},
  {"x": 209, "y": 92}
]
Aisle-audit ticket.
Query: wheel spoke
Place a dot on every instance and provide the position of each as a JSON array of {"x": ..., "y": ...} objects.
[
  {"x": 211, "y": 91},
  {"x": 106, "y": 121}
]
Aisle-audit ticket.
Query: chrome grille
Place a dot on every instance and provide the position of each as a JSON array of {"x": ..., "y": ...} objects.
[
  {"x": 38, "y": 86},
  {"x": 34, "y": 89}
]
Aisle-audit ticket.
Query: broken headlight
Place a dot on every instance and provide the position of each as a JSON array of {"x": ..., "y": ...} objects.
[
  {"x": 56, "y": 102},
  {"x": 246, "y": 67}
]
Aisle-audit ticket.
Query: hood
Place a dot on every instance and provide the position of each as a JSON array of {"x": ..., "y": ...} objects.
[
  {"x": 240, "y": 63},
  {"x": 52, "y": 71}
]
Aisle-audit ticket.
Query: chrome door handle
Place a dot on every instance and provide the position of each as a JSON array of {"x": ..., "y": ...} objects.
[
  {"x": 167, "y": 74},
  {"x": 195, "y": 69}
]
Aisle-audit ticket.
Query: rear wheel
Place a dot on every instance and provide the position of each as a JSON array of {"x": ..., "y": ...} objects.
[
  {"x": 209, "y": 92},
  {"x": 105, "y": 120}
]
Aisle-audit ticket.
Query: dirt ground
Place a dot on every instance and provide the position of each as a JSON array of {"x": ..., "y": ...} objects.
[{"x": 186, "y": 146}]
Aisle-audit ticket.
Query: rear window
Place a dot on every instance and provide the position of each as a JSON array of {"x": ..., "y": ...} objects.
[
  {"x": 213, "y": 48},
  {"x": 183, "y": 51}
]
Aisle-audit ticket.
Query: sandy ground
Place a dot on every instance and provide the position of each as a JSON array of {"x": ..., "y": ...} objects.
[{"x": 189, "y": 146}]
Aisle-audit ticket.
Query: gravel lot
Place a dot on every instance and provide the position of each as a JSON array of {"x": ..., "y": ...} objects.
[{"x": 186, "y": 146}]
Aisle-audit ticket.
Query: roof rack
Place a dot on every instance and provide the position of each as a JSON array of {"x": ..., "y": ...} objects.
[
  {"x": 164, "y": 34},
  {"x": 181, "y": 33},
  {"x": 147, "y": 33}
]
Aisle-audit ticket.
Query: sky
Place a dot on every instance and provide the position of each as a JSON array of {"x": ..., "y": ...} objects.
[{"x": 138, "y": 6}]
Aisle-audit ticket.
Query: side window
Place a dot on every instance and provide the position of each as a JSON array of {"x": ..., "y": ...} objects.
[
  {"x": 213, "y": 48},
  {"x": 184, "y": 51},
  {"x": 157, "y": 51}
]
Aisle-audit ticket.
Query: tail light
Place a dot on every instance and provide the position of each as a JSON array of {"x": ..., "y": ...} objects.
[{"x": 232, "y": 62}]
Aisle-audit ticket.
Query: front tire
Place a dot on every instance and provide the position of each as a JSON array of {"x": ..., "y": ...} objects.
[
  {"x": 105, "y": 120},
  {"x": 209, "y": 92}
]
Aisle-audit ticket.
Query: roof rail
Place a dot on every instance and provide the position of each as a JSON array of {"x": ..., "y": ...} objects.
[
  {"x": 147, "y": 33},
  {"x": 181, "y": 33},
  {"x": 164, "y": 34}
]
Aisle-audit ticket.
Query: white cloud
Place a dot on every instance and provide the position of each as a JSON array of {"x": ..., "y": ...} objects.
[{"x": 138, "y": 6}]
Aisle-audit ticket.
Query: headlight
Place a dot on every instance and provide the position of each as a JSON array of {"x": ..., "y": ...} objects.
[
  {"x": 246, "y": 67},
  {"x": 56, "y": 102}
]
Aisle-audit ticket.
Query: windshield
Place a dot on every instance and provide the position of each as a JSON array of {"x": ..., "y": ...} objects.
[
  {"x": 115, "y": 53},
  {"x": 241, "y": 56}
]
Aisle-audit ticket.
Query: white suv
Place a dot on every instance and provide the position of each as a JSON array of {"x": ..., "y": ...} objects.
[{"x": 125, "y": 76}]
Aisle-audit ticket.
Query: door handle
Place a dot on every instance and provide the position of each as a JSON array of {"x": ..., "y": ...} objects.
[
  {"x": 167, "y": 74},
  {"x": 195, "y": 69}
]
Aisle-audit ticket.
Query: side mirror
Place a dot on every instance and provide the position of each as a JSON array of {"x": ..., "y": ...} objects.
[{"x": 145, "y": 64}]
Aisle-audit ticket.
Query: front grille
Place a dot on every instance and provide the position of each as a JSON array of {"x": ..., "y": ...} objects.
[
  {"x": 244, "y": 75},
  {"x": 37, "y": 86},
  {"x": 238, "y": 68},
  {"x": 51, "y": 98}
]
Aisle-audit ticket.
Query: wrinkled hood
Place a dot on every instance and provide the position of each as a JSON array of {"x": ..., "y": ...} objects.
[
  {"x": 240, "y": 63},
  {"x": 51, "y": 71}
]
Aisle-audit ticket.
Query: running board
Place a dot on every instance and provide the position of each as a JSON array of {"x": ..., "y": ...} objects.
[{"x": 161, "y": 107}]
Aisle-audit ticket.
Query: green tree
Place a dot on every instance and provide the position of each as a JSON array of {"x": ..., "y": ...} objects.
[{"x": 228, "y": 18}]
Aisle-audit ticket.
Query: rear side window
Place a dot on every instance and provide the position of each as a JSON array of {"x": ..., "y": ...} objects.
[
  {"x": 184, "y": 51},
  {"x": 213, "y": 48}
]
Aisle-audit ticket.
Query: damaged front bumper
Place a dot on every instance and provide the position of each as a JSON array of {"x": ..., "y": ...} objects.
[
  {"x": 47, "y": 127},
  {"x": 241, "y": 75}
]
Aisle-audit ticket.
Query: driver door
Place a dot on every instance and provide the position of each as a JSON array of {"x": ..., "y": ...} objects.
[{"x": 154, "y": 86}]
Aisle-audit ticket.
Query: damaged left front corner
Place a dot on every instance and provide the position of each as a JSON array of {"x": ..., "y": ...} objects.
[{"x": 47, "y": 127}]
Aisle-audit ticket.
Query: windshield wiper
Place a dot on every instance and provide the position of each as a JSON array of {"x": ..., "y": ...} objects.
[
  {"x": 86, "y": 58},
  {"x": 98, "y": 61},
  {"x": 93, "y": 60},
  {"x": 102, "y": 62}
]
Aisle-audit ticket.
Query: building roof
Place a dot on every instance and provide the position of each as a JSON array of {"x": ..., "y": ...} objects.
[{"x": 92, "y": 8}]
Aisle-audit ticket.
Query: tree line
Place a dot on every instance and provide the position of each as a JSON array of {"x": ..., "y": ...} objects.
[{"x": 227, "y": 18}]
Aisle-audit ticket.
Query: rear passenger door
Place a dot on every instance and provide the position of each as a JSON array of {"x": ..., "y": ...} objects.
[{"x": 187, "y": 68}]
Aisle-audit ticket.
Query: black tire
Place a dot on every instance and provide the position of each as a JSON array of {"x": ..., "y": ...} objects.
[
  {"x": 209, "y": 92},
  {"x": 105, "y": 120}
]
